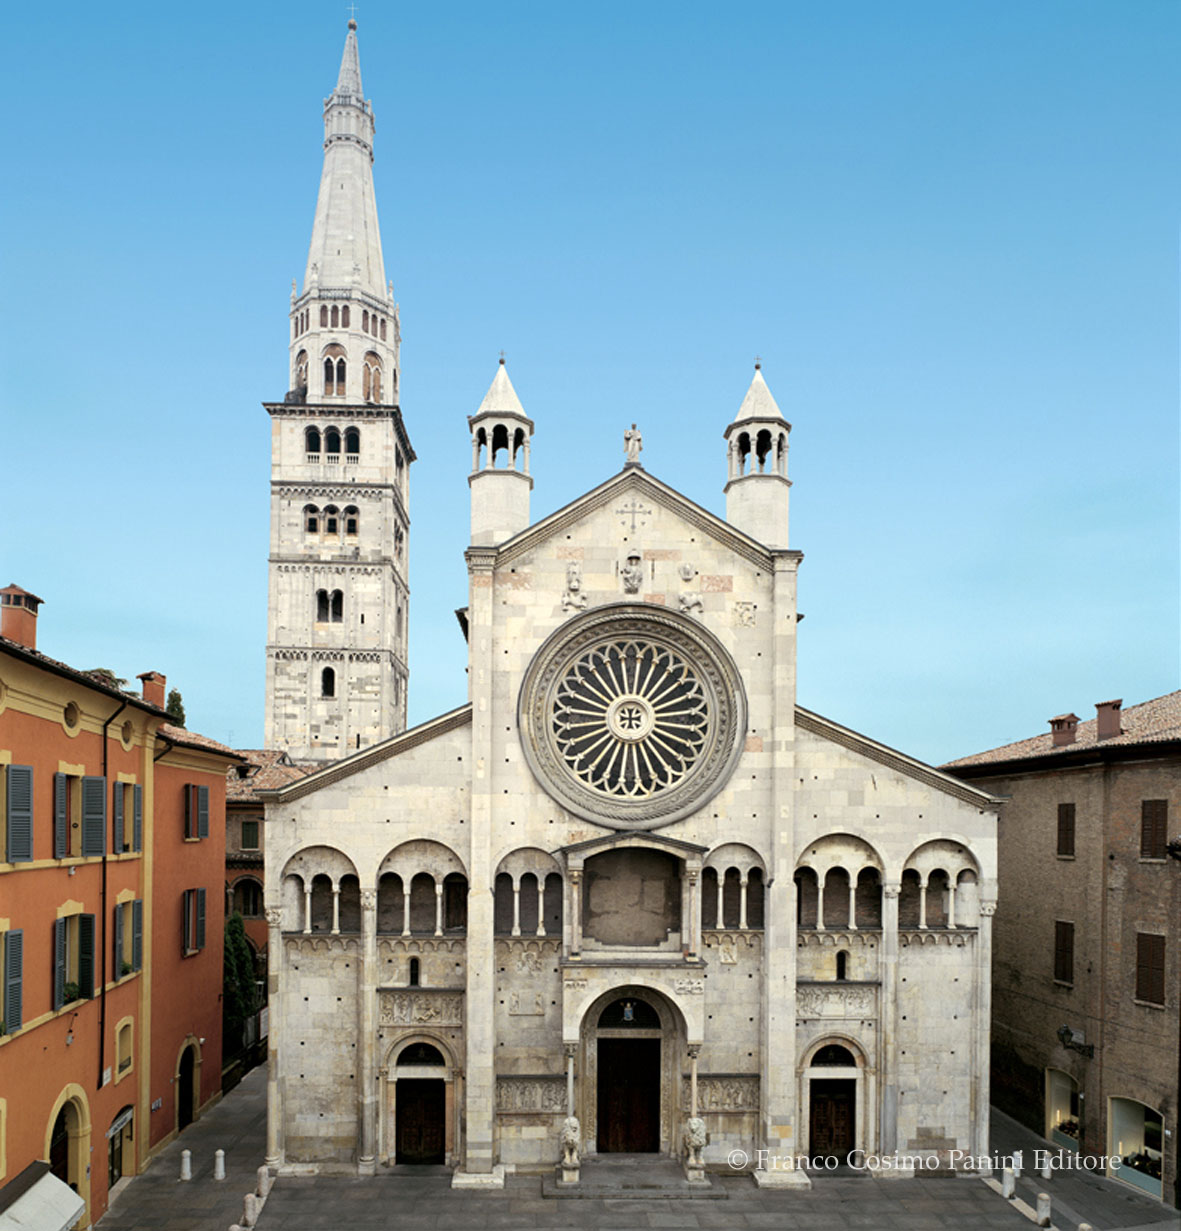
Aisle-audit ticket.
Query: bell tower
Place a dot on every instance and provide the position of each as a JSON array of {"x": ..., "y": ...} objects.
[
  {"x": 500, "y": 483},
  {"x": 756, "y": 449},
  {"x": 338, "y": 600}
]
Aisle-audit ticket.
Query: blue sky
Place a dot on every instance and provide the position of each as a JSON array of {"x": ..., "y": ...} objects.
[{"x": 950, "y": 230}]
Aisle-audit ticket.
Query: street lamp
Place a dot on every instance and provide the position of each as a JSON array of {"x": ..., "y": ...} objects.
[{"x": 1066, "y": 1038}]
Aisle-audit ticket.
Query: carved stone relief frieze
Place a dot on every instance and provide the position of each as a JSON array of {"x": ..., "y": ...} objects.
[
  {"x": 723, "y": 1093},
  {"x": 543, "y": 1095},
  {"x": 420, "y": 1007},
  {"x": 836, "y": 1001}
]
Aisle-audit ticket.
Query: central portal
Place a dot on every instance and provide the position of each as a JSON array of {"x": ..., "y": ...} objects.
[{"x": 629, "y": 1079}]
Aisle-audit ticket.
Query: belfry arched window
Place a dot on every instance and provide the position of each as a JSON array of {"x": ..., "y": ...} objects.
[
  {"x": 365, "y": 320},
  {"x": 328, "y": 682},
  {"x": 311, "y": 519},
  {"x": 337, "y": 606},
  {"x": 323, "y": 315},
  {"x": 344, "y": 317},
  {"x": 332, "y": 444},
  {"x": 311, "y": 442},
  {"x": 321, "y": 606},
  {"x": 371, "y": 381},
  {"x": 331, "y": 519},
  {"x": 352, "y": 519},
  {"x": 352, "y": 444},
  {"x": 383, "y": 328},
  {"x": 335, "y": 316},
  {"x": 334, "y": 370},
  {"x": 301, "y": 370}
]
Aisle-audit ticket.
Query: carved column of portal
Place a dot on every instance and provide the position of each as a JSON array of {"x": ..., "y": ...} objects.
[
  {"x": 367, "y": 1034},
  {"x": 571, "y": 1049},
  {"x": 889, "y": 1044},
  {"x": 694, "y": 1052},
  {"x": 274, "y": 1155}
]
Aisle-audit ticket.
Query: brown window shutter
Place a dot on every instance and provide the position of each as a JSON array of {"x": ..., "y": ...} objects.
[
  {"x": 1064, "y": 952},
  {"x": 1154, "y": 823},
  {"x": 1066, "y": 829},
  {"x": 1150, "y": 968}
]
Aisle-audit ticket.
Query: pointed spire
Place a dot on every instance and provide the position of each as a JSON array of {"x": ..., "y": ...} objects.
[
  {"x": 501, "y": 397},
  {"x": 349, "y": 81},
  {"x": 345, "y": 252},
  {"x": 758, "y": 403}
]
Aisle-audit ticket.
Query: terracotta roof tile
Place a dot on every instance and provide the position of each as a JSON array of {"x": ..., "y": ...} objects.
[
  {"x": 190, "y": 739},
  {"x": 1150, "y": 722},
  {"x": 267, "y": 769}
]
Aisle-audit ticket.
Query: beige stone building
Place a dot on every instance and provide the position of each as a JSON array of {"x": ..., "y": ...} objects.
[
  {"x": 628, "y": 897},
  {"x": 1086, "y": 1004},
  {"x": 338, "y": 605}
]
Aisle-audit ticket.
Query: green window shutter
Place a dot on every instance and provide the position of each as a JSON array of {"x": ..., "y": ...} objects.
[
  {"x": 187, "y": 921},
  {"x": 190, "y": 811},
  {"x": 61, "y": 818},
  {"x": 59, "y": 962},
  {"x": 117, "y": 819},
  {"x": 200, "y": 918},
  {"x": 94, "y": 816},
  {"x": 202, "y": 812},
  {"x": 86, "y": 956},
  {"x": 138, "y": 835},
  {"x": 117, "y": 954},
  {"x": 20, "y": 814},
  {"x": 14, "y": 943},
  {"x": 137, "y": 935}
]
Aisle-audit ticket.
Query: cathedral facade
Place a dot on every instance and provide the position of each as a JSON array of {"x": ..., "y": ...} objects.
[{"x": 629, "y": 898}]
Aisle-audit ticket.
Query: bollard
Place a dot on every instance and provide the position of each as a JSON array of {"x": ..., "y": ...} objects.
[
  {"x": 1084, "y": 1226},
  {"x": 1018, "y": 1162},
  {"x": 186, "y": 1164},
  {"x": 219, "y": 1164},
  {"x": 1047, "y": 1171},
  {"x": 264, "y": 1182},
  {"x": 1008, "y": 1184},
  {"x": 1043, "y": 1209},
  {"x": 249, "y": 1210}
]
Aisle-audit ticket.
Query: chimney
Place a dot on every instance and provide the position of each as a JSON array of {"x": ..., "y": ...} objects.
[
  {"x": 1064, "y": 728},
  {"x": 19, "y": 620},
  {"x": 1107, "y": 718},
  {"x": 153, "y": 689}
]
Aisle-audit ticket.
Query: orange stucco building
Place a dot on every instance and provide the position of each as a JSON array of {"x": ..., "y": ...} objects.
[{"x": 112, "y": 849}]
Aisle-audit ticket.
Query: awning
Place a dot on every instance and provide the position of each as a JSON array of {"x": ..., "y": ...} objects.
[{"x": 36, "y": 1200}]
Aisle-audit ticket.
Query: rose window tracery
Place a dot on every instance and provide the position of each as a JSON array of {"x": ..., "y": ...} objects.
[
  {"x": 631, "y": 715},
  {"x": 630, "y": 718}
]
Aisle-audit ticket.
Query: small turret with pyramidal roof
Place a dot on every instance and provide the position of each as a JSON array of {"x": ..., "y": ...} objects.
[
  {"x": 500, "y": 479},
  {"x": 756, "y": 447}
]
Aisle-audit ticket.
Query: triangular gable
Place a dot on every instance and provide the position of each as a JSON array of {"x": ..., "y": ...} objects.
[
  {"x": 825, "y": 728},
  {"x": 368, "y": 757},
  {"x": 634, "y": 479}
]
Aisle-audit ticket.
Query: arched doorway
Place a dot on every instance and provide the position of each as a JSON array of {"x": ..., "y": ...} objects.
[
  {"x": 628, "y": 1045},
  {"x": 420, "y": 1107},
  {"x": 59, "y": 1145},
  {"x": 185, "y": 1101},
  {"x": 832, "y": 1103}
]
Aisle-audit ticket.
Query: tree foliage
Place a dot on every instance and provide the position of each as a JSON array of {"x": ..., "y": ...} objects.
[
  {"x": 175, "y": 707},
  {"x": 106, "y": 676},
  {"x": 239, "y": 992}
]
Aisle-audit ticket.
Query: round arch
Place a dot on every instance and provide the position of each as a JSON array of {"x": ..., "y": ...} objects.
[
  {"x": 830, "y": 1095},
  {"x": 672, "y": 1035},
  {"x": 394, "y": 1071},
  {"x": 72, "y": 1099},
  {"x": 193, "y": 1092}
]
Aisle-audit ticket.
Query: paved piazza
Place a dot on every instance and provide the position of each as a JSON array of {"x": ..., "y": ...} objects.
[{"x": 321, "y": 1204}]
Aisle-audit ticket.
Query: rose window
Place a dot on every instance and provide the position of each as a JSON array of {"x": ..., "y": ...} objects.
[{"x": 631, "y": 716}]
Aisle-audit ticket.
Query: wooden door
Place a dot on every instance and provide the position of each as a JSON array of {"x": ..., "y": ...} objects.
[
  {"x": 629, "y": 1096},
  {"x": 832, "y": 1118},
  {"x": 420, "y": 1121}
]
